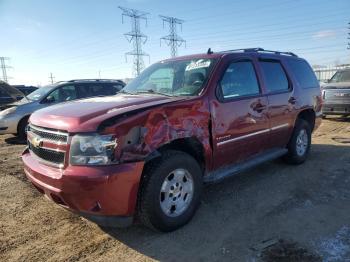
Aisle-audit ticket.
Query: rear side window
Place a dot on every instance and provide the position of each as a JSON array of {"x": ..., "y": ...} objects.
[
  {"x": 275, "y": 78},
  {"x": 239, "y": 80},
  {"x": 303, "y": 73}
]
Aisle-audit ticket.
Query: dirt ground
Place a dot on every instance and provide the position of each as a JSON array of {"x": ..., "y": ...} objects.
[{"x": 275, "y": 212}]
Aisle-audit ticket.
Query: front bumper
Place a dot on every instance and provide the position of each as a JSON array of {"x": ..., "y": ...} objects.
[
  {"x": 106, "y": 195},
  {"x": 8, "y": 124},
  {"x": 336, "y": 108}
]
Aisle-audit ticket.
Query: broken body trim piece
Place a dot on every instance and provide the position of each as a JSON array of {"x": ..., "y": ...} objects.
[{"x": 252, "y": 134}]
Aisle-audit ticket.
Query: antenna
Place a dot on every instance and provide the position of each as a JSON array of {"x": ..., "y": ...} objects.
[
  {"x": 136, "y": 37},
  {"x": 173, "y": 39}
]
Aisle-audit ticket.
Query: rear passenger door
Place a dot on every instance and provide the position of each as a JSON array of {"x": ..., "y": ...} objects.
[
  {"x": 280, "y": 101},
  {"x": 240, "y": 123}
]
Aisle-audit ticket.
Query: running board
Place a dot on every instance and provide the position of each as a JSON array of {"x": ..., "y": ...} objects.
[{"x": 235, "y": 169}]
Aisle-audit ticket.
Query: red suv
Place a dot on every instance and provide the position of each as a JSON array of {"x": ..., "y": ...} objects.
[{"x": 147, "y": 151}]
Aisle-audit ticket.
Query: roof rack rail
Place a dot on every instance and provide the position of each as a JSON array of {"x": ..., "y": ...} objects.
[
  {"x": 259, "y": 49},
  {"x": 96, "y": 80}
]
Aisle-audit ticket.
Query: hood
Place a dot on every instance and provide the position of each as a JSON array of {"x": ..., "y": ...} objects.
[
  {"x": 338, "y": 85},
  {"x": 85, "y": 115}
]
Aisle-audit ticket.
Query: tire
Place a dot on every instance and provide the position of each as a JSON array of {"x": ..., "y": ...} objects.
[
  {"x": 301, "y": 138},
  {"x": 160, "y": 175},
  {"x": 21, "y": 129},
  {"x": 324, "y": 116}
]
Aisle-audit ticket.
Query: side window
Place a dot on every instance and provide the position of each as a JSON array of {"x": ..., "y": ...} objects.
[
  {"x": 303, "y": 73},
  {"x": 239, "y": 80},
  {"x": 62, "y": 94},
  {"x": 275, "y": 78}
]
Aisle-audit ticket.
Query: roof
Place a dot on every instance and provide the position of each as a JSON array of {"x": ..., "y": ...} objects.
[{"x": 212, "y": 54}]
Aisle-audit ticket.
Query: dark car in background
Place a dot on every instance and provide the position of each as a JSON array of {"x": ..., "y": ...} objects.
[
  {"x": 25, "y": 89},
  {"x": 13, "y": 120},
  {"x": 8, "y": 95},
  {"x": 336, "y": 94}
]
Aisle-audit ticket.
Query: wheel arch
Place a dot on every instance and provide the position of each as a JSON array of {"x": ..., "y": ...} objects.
[
  {"x": 189, "y": 145},
  {"x": 309, "y": 116}
]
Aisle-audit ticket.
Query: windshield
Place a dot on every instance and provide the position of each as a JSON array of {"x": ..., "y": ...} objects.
[
  {"x": 341, "y": 76},
  {"x": 40, "y": 93},
  {"x": 174, "y": 78}
]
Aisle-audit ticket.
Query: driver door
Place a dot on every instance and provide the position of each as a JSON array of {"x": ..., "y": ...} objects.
[{"x": 240, "y": 120}]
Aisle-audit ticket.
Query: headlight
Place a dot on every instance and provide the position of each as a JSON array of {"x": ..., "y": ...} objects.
[
  {"x": 8, "y": 111},
  {"x": 92, "y": 149}
]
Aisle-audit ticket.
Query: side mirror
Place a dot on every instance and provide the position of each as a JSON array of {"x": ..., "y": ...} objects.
[{"x": 49, "y": 100}]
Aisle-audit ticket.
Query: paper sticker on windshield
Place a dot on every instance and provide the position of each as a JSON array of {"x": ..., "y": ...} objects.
[{"x": 198, "y": 64}]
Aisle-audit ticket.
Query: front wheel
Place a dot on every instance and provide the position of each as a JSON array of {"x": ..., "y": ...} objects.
[
  {"x": 170, "y": 191},
  {"x": 300, "y": 143}
]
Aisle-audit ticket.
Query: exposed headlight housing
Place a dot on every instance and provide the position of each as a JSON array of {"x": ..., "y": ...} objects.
[
  {"x": 92, "y": 149},
  {"x": 7, "y": 111}
]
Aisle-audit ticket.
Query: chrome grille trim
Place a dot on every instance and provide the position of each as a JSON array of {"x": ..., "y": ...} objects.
[
  {"x": 49, "y": 134},
  {"x": 50, "y": 156}
]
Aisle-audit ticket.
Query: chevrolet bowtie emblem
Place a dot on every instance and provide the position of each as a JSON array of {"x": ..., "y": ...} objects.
[{"x": 37, "y": 142}]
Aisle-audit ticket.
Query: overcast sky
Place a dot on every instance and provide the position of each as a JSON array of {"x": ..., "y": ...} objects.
[{"x": 77, "y": 39}]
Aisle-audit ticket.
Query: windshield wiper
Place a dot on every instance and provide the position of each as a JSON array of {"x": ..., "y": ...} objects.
[{"x": 151, "y": 91}]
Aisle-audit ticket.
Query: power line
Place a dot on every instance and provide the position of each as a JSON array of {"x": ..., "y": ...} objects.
[
  {"x": 173, "y": 39},
  {"x": 4, "y": 68},
  {"x": 52, "y": 78},
  {"x": 349, "y": 35},
  {"x": 136, "y": 37}
]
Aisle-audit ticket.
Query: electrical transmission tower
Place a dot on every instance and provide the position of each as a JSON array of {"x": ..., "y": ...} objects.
[
  {"x": 173, "y": 40},
  {"x": 4, "y": 68},
  {"x": 52, "y": 78},
  {"x": 136, "y": 37}
]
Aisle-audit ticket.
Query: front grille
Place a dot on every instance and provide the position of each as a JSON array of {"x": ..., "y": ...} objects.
[
  {"x": 53, "y": 135},
  {"x": 337, "y": 94},
  {"x": 50, "y": 154}
]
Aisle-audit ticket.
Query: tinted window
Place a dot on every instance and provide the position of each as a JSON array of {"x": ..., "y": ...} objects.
[
  {"x": 275, "y": 77},
  {"x": 3, "y": 93},
  {"x": 98, "y": 89},
  {"x": 303, "y": 73},
  {"x": 239, "y": 80},
  {"x": 62, "y": 94}
]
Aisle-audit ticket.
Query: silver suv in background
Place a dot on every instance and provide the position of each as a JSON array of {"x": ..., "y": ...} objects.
[
  {"x": 336, "y": 94},
  {"x": 14, "y": 119}
]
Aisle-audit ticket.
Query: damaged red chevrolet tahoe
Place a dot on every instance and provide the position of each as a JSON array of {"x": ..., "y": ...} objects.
[{"x": 146, "y": 152}]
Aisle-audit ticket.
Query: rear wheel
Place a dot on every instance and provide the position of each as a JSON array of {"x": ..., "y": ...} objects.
[
  {"x": 299, "y": 144},
  {"x": 170, "y": 191}
]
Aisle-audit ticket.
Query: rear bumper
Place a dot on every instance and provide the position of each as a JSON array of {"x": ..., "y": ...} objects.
[
  {"x": 336, "y": 108},
  {"x": 106, "y": 195}
]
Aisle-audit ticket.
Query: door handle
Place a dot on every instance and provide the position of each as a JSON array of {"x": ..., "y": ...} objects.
[
  {"x": 259, "y": 108},
  {"x": 292, "y": 100}
]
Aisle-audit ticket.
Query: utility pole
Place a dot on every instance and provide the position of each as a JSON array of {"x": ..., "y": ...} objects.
[
  {"x": 136, "y": 37},
  {"x": 52, "y": 78},
  {"x": 4, "y": 67},
  {"x": 173, "y": 40}
]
